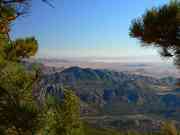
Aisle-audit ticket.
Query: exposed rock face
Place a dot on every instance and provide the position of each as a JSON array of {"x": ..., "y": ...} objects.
[{"x": 113, "y": 94}]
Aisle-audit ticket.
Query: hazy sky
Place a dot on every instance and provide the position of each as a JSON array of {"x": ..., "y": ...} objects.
[{"x": 78, "y": 28}]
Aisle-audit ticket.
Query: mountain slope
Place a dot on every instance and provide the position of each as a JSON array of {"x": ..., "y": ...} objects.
[
  {"x": 117, "y": 94},
  {"x": 109, "y": 89}
]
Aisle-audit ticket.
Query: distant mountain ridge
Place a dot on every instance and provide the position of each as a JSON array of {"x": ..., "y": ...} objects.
[
  {"x": 104, "y": 85},
  {"x": 78, "y": 73},
  {"x": 105, "y": 92},
  {"x": 154, "y": 69}
]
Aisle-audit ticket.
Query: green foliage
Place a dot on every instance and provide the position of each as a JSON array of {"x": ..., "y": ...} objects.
[
  {"x": 63, "y": 117},
  {"x": 168, "y": 128},
  {"x": 70, "y": 114},
  {"x": 10, "y": 10},
  {"x": 17, "y": 107},
  {"x": 160, "y": 27},
  {"x": 89, "y": 130},
  {"x": 96, "y": 131},
  {"x": 20, "y": 48},
  {"x": 19, "y": 114},
  {"x": 25, "y": 47},
  {"x": 17, "y": 110}
]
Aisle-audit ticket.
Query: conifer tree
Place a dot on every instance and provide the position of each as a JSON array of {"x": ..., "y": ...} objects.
[{"x": 160, "y": 27}]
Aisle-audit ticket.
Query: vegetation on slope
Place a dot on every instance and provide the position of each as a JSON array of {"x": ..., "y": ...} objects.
[
  {"x": 20, "y": 111},
  {"x": 167, "y": 128}
]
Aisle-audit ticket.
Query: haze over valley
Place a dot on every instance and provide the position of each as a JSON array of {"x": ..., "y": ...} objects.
[
  {"x": 115, "y": 94},
  {"x": 136, "y": 65}
]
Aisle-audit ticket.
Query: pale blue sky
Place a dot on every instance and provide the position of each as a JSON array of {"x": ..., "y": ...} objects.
[{"x": 78, "y": 28}]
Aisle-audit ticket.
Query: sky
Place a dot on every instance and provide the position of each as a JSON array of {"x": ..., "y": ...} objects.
[{"x": 85, "y": 28}]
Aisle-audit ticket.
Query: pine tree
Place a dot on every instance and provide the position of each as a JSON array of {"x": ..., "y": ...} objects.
[
  {"x": 62, "y": 117},
  {"x": 160, "y": 27}
]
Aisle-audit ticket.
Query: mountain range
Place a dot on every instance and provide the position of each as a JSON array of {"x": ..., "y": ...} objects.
[{"x": 110, "y": 98}]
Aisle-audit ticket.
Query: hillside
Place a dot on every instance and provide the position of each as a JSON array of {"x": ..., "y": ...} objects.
[{"x": 118, "y": 95}]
